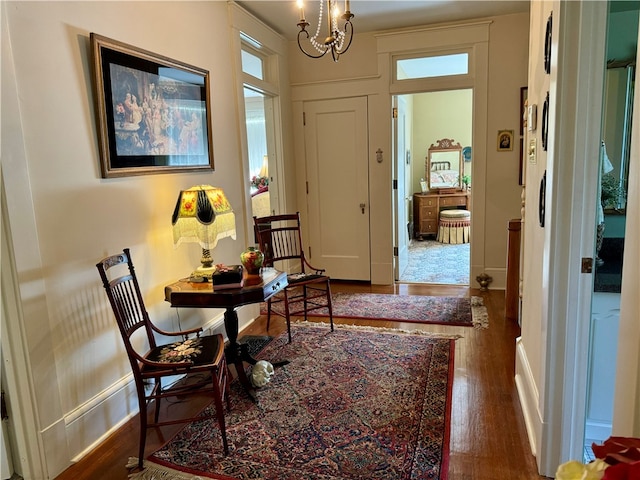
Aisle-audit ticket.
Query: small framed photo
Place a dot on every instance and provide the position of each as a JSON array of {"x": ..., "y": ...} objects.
[
  {"x": 153, "y": 113},
  {"x": 505, "y": 140}
]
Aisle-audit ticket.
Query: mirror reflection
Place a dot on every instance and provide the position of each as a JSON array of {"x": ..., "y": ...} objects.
[
  {"x": 444, "y": 165},
  {"x": 616, "y": 134}
]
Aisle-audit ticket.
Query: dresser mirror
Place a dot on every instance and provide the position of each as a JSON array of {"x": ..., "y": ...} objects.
[{"x": 444, "y": 165}]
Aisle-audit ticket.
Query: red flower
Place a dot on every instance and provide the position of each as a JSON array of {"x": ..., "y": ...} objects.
[
  {"x": 623, "y": 471},
  {"x": 616, "y": 450}
]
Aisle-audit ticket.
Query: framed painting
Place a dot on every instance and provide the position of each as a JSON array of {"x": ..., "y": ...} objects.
[
  {"x": 505, "y": 140},
  {"x": 153, "y": 113}
]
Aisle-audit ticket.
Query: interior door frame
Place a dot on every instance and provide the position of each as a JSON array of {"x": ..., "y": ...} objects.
[
  {"x": 28, "y": 452},
  {"x": 400, "y": 198},
  {"x": 626, "y": 408},
  {"x": 473, "y": 40},
  {"x": 249, "y": 34},
  {"x": 421, "y": 159}
]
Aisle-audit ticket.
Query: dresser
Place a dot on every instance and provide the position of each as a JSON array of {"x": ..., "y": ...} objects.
[{"x": 427, "y": 206}]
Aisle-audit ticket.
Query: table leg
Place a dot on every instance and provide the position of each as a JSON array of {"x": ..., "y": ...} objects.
[{"x": 237, "y": 353}]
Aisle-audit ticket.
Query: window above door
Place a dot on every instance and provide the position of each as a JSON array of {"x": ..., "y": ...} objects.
[{"x": 432, "y": 66}]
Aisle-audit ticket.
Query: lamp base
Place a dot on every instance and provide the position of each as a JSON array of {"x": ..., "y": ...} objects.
[{"x": 202, "y": 274}]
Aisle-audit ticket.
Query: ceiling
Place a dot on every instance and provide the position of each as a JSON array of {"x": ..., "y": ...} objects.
[{"x": 373, "y": 15}]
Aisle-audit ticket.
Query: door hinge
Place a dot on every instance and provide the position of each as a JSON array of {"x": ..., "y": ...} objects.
[
  {"x": 394, "y": 112},
  {"x": 587, "y": 265},
  {"x": 395, "y": 183},
  {"x": 304, "y": 118},
  {"x": 395, "y": 251},
  {"x": 307, "y": 187}
]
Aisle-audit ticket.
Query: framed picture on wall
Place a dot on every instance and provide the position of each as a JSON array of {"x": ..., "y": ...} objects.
[
  {"x": 505, "y": 140},
  {"x": 524, "y": 119},
  {"x": 153, "y": 113},
  {"x": 523, "y": 109},
  {"x": 521, "y": 166}
]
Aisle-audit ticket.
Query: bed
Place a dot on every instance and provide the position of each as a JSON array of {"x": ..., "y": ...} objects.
[
  {"x": 444, "y": 164},
  {"x": 442, "y": 176},
  {"x": 261, "y": 203}
]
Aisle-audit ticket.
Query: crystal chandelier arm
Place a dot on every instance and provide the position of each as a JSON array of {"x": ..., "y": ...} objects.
[
  {"x": 302, "y": 48},
  {"x": 336, "y": 52},
  {"x": 347, "y": 23}
]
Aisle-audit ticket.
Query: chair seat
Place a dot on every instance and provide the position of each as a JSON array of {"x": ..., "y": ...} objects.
[
  {"x": 199, "y": 351},
  {"x": 304, "y": 277},
  {"x": 455, "y": 213}
]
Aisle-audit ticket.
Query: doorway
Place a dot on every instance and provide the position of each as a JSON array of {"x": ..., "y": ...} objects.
[
  {"x": 422, "y": 120},
  {"x": 256, "y": 106}
]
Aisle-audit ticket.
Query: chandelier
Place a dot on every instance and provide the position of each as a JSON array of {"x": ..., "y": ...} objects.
[{"x": 338, "y": 41}]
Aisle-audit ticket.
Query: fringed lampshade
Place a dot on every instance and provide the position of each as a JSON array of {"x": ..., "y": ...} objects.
[{"x": 203, "y": 215}]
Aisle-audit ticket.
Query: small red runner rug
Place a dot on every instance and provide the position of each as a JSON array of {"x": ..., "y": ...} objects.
[
  {"x": 457, "y": 311},
  {"x": 351, "y": 404}
]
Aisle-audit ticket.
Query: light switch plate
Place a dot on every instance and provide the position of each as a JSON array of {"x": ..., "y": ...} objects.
[{"x": 532, "y": 117}]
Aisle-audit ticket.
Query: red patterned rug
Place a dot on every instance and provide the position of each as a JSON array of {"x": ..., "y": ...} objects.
[
  {"x": 351, "y": 404},
  {"x": 456, "y": 311}
]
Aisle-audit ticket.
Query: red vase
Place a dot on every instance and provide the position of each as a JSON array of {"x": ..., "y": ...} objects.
[{"x": 252, "y": 259}]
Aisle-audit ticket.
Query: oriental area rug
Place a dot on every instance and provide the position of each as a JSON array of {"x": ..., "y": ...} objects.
[
  {"x": 456, "y": 311},
  {"x": 356, "y": 403},
  {"x": 433, "y": 262}
]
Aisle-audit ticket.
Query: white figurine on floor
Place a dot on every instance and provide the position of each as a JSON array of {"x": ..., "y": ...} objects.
[{"x": 261, "y": 373}]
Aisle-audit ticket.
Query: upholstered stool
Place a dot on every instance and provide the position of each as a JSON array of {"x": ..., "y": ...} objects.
[{"x": 454, "y": 226}]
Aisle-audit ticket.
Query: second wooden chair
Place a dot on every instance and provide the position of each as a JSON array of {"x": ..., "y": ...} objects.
[{"x": 280, "y": 240}]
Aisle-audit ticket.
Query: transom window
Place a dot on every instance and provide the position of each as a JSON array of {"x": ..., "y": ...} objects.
[
  {"x": 433, "y": 66},
  {"x": 252, "y": 64}
]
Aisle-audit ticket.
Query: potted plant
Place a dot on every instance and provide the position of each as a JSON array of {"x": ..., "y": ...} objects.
[{"x": 466, "y": 182}]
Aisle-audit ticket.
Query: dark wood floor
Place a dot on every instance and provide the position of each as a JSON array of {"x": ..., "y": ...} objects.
[{"x": 488, "y": 436}]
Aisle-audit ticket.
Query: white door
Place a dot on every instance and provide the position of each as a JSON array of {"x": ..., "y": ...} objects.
[
  {"x": 336, "y": 151},
  {"x": 401, "y": 200}
]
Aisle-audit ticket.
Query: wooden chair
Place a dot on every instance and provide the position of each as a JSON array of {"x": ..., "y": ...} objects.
[
  {"x": 198, "y": 355},
  {"x": 280, "y": 239}
]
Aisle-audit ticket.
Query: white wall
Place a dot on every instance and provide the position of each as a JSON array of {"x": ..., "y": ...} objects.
[
  {"x": 530, "y": 346},
  {"x": 508, "y": 68},
  {"x": 64, "y": 218}
]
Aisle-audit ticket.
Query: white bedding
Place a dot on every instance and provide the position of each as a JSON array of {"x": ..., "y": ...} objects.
[{"x": 444, "y": 178}]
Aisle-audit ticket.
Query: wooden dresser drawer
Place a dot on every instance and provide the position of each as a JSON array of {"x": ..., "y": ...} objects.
[
  {"x": 426, "y": 202},
  {"x": 453, "y": 201},
  {"x": 429, "y": 213},
  {"x": 429, "y": 227}
]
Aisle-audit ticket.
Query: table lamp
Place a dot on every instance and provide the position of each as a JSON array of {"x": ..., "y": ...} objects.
[
  {"x": 264, "y": 169},
  {"x": 203, "y": 215}
]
